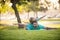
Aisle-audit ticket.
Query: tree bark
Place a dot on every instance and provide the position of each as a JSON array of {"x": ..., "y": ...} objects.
[
  {"x": 16, "y": 14},
  {"x": 36, "y": 14},
  {"x": 28, "y": 15}
]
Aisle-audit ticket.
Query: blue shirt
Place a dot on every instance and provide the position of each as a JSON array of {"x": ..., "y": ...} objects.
[{"x": 29, "y": 26}]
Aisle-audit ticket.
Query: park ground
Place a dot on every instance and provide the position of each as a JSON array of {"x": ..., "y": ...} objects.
[{"x": 13, "y": 33}]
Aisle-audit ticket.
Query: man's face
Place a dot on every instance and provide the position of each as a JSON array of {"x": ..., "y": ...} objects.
[
  {"x": 35, "y": 24},
  {"x": 33, "y": 19}
]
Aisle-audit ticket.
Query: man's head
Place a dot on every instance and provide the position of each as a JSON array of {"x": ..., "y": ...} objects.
[{"x": 34, "y": 23}]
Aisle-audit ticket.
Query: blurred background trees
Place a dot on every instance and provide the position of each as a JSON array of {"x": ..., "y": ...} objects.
[
  {"x": 17, "y": 6},
  {"x": 32, "y": 5}
]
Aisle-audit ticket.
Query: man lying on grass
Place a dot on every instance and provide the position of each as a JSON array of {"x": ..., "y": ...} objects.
[{"x": 33, "y": 25}]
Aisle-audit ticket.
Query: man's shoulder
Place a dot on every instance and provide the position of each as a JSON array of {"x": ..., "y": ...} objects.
[{"x": 28, "y": 24}]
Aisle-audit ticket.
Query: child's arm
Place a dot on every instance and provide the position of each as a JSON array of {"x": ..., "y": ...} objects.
[{"x": 42, "y": 17}]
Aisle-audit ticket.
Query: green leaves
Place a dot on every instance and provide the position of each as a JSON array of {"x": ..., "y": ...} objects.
[
  {"x": 2, "y": 2},
  {"x": 20, "y": 2},
  {"x": 33, "y": 6},
  {"x": 14, "y": 1}
]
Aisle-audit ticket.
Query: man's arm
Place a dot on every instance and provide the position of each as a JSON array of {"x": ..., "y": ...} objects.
[
  {"x": 27, "y": 27},
  {"x": 49, "y": 28}
]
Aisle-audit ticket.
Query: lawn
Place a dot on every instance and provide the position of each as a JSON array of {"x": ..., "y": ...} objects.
[{"x": 14, "y": 33}]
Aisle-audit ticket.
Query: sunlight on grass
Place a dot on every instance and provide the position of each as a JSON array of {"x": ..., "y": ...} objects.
[{"x": 52, "y": 25}]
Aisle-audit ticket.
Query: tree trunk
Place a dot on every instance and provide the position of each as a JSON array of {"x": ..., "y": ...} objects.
[
  {"x": 59, "y": 6},
  {"x": 28, "y": 15},
  {"x": 36, "y": 15},
  {"x": 16, "y": 14}
]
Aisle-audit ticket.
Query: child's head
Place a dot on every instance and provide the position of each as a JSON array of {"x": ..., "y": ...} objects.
[{"x": 31, "y": 19}]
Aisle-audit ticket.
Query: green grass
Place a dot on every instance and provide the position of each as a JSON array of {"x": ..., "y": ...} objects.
[
  {"x": 18, "y": 34},
  {"x": 8, "y": 27}
]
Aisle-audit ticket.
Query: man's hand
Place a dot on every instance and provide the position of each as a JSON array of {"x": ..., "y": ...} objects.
[{"x": 49, "y": 28}]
